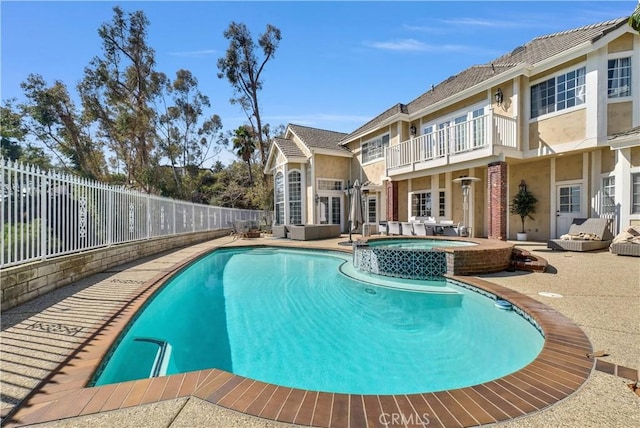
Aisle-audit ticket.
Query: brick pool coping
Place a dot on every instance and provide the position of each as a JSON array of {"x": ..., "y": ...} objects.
[{"x": 557, "y": 372}]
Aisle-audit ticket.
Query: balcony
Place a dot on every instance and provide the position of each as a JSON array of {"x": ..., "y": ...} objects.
[{"x": 452, "y": 143}]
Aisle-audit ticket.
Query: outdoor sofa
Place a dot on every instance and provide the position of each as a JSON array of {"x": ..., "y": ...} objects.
[
  {"x": 306, "y": 232},
  {"x": 627, "y": 242},
  {"x": 584, "y": 235}
]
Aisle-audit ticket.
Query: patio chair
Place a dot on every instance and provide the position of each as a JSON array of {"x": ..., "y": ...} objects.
[
  {"x": 382, "y": 228},
  {"x": 627, "y": 242},
  {"x": 451, "y": 231},
  {"x": 393, "y": 228},
  {"x": 584, "y": 235},
  {"x": 406, "y": 228},
  {"x": 421, "y": 229}
]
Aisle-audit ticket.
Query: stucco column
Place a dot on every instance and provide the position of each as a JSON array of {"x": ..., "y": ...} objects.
[
  {"x": 497, "y": 200},
  {"x": 392, "y": 200}
]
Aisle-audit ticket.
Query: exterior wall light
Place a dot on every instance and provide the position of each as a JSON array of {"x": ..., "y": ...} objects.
[
  {"x": 499, "y": 96},
  {"x": 413, "y": 130},
  {"x": 522, "y": 186}
]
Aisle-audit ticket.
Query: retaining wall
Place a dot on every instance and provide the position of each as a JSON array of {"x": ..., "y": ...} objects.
[{"x": 27, "y": 281}]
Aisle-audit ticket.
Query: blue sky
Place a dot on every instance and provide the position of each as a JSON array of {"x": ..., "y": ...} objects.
[{"x": 339, "y": 64}]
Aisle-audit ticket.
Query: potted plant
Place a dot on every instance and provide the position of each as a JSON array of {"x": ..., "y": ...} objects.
[{"x": 523, "y": 205}]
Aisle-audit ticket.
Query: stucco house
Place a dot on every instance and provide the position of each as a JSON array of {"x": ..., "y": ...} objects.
[{"x": 560, "y": 114}]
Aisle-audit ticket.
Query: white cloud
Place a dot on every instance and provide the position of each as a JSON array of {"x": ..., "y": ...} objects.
[
  {"x": 481, "y": 22},
  {"x": 204, "y": 52},
  {"x": 412, "y": 45},
  {"x": 424, "y": 29},
  {"x": 314, "y": 119}
]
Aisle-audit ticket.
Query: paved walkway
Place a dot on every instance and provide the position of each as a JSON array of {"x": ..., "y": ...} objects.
[{"x": 600, "y": 293}]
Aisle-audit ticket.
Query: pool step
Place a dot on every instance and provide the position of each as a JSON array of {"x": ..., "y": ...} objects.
[{"x": 161, "y": 361}]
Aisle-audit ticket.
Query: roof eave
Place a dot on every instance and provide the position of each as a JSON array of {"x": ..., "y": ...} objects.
[
  {"x": 331, "y": 152},
  {"x": 519, "y": 70},
  {"x": 388, "y": 121}
]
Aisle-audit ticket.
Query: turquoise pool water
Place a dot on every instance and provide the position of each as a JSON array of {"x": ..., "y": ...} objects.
[
  {"x": 306, "y": 319},
  {"x": 418, "y": 243}
]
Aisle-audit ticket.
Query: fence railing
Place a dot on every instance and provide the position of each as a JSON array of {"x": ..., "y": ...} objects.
[{"x": 45, "y": 214}]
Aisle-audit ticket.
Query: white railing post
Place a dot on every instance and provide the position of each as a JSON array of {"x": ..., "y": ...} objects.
[
  {"x": 491, "y": 125},
  {"x": 44, "y": 218},
  {"x": 148, "y": 216}
]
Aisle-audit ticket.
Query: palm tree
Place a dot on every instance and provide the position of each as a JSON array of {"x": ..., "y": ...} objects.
[
  {"x": 244, "y": 145},
  {"x": 634, "y": 19}
]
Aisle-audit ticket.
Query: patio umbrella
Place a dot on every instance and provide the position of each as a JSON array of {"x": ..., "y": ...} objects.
[{"x": 356, "y": 216}]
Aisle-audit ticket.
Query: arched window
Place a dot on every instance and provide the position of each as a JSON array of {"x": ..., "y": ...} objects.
[
  {"x": 295, "y": 197},
  {"x": 279, "y": 190}
]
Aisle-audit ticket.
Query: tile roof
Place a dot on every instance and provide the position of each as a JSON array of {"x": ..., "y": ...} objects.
[
  {"x": 398, "y": 108},
  {"x": 533, "y": 52},
  {"x": 315, "y": 138},
  {"x": 635, "y": 131},
  {"x": 288, "y": 148}
]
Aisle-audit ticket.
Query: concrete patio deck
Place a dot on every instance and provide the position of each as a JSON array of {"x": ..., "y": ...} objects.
[{"x": 600, "y": 293}]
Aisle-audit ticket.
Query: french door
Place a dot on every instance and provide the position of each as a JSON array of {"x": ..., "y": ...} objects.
[{"x": 330, "y": 210}]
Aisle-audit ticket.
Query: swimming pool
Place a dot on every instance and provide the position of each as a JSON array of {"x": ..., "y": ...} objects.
[{"x": 303, "y": 319}]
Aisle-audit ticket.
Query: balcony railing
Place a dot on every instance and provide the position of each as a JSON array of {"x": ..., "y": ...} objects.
[{"x": 478, "y": 133}]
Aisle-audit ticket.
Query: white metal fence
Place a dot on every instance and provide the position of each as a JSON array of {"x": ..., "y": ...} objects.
[{"x": 45, "y": 214}]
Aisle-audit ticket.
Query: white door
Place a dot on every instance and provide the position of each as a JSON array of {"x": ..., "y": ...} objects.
[
  {"x": 330, "y": 210},
  {"x": 568, "y": 204}
]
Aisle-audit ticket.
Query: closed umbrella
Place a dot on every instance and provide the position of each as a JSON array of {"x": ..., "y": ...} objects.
[{"x": 355, "y": 213}]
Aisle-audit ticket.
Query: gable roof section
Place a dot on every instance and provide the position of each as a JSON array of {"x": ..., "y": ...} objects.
[
  {"x": 532, "y": 53},
  {"x": 373, "y": 123},
  {"x": 288, "y": 148},
  {"x": 315, "y": 138},
  {"x": 545, "y": 47},
  {"x": 312, "y": 139}
]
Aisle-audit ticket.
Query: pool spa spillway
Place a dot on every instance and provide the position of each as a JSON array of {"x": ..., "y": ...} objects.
[
  {"x": 411, "y": 258},
  {"x": 307, "y": 319}
]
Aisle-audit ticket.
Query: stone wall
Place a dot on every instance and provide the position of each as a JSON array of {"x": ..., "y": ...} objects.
[{"x": 25, "y": 282}]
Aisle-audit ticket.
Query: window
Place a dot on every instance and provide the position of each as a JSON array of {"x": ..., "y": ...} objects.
[
  {"x": 421, "y": 204},
  {"x": 295, "y": 197},
  {"x": 635, "y": 193},
  {"x": 569, "y": 199},
  {"x": 460, "y": 133},
  {"x": 441, "y": 207},
  {"x": 558, "y": 93},
  {"x": 478, "y": 128},
  {"x": 608, "y": 203},
  {"x": 324, "y": 184},
  {"x": 374, "y": 149},
  {"x": 619, "y": 77},
  {"x": 442, "y": 138},
  {"x": 372, "y": 205},
  {"x": 278, "y": 184}
]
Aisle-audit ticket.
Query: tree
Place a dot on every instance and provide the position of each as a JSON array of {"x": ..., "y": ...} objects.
[
  {"x": 119, "y": 90},
  {"x": 634, "y": 19},
  {"x": 12, "y": 132},
  {"x": 523, "y": 204},
  {"x": 183, "y": 137},
  {"x": 51, "y": 116},
  {"x": 245, "y": 146},
  {"x": 243, "y": 69}
]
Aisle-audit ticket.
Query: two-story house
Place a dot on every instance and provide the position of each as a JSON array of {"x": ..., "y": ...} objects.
[{"x": 560, "y": 114}]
